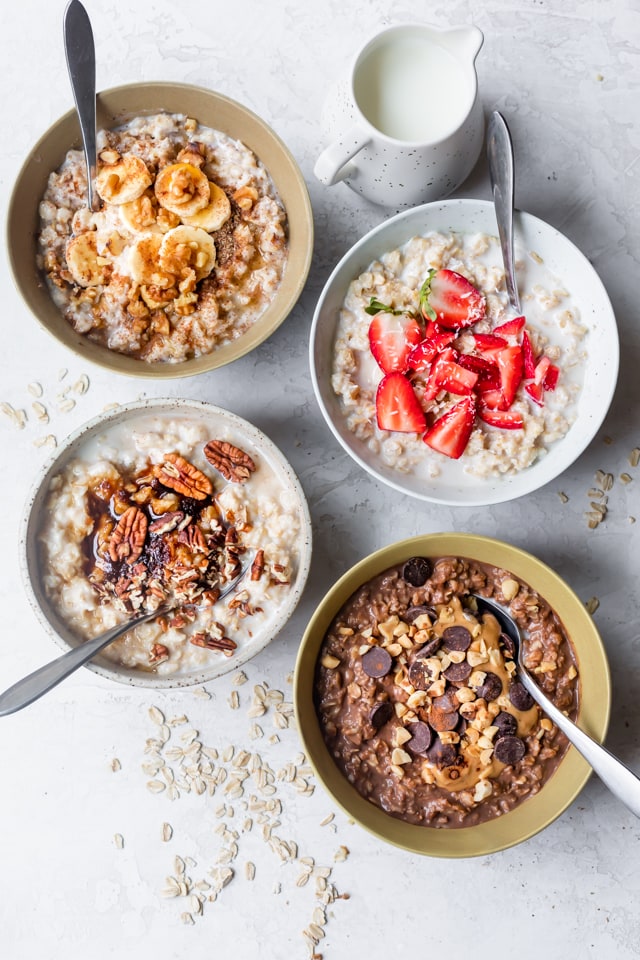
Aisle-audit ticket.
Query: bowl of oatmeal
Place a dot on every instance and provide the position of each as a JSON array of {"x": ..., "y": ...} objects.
[
  {"x": 167, "y": 500},
  {"x": 428, "y": 380},
  {"x": 409, "y": 705},
  {"x": 201, "y": 244}
]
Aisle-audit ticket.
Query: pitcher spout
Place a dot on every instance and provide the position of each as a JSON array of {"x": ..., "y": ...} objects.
[{"x": 464, "y": 42}]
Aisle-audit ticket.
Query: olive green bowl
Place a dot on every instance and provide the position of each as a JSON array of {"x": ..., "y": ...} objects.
[
  {"x": 115, "y": 107},
  {"x": 564, "y": 785}
]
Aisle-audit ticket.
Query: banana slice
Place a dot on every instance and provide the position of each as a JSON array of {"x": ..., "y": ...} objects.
[
  {"x": 87, "y": 268},
  {"x": 144, "y": 262},
  {"x": 214, "y": 215},
  {"x": 182, "y": 189},
  {"x": 187, "y": 248},
  {"x": 123, "y": 181}
]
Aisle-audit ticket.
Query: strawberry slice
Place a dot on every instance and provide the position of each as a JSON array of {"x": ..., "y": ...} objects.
[
  {"x": 450, "y": 433},
  {"x": 454, "y": 378},
  {"x": 551, "y": 378},
  {"x": 535, "y": 391},
  {"x": 492, "y": 399},
  {"x": 511, "y": 328},
  {"x": 528, "y": 356},
  {"x": 489, "y": 342},
  {"x": 455, "y": 302},
  {"x": 432, "y": 329},
  {"x": 510, "y": 365},
  {"x": 397, "y": 407},
  {"x": 392, "y": 338},
  {"x": 488, "y": 373},
  {"x": 422, "y": 355},
  {"x": 432, "y": 386},
  {"x": 506, "y": 419}
]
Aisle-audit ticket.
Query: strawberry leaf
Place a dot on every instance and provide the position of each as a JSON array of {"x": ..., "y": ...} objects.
[
  {"x": 375, "y": 306},
  {"x": 427, "y": 310}
]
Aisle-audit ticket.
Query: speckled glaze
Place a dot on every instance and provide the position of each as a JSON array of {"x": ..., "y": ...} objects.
[{"x": 393, "y": 172}]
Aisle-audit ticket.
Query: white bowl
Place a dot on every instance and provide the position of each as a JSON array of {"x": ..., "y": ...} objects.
[
  {"x": 562, "y": 258},
  {"x": 256, "y": 444}
]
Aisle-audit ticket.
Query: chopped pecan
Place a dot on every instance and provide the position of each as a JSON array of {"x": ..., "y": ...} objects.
[
  {"x": 232, "y": 462},
  {"x": 257, "y": 567},
  {"x": 193, "y": 537},
  {"x": 178, "y": 474},
  {"x": 222, "y": 643},
  {"x": 167, "y": 522},
  {"x": 127, "y": 540},
  {"x": 231, "y": 536},
  {"x": 159, "y": 653}
]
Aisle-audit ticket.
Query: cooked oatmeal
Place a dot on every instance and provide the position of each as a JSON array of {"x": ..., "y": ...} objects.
[
  {"x": 166, "y": 509},
  {"x": 417, "y": 697},
  {"x": 552, "y": 325},
  {"x": 186, "y": 251}
]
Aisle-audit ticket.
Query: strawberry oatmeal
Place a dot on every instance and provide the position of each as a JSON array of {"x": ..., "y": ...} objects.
[
  {"x": 430, "y": 367},
  {"x": 418, "y": 699},
  {"x": 186, "y": 251},
  {"x": 174, "y": 509}
]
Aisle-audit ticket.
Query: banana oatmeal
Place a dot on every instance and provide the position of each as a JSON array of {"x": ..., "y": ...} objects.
[
  {"x": 418, "y": 700},
  {"x": 186, "y": 251},
  {"x": 167, "y": 510}
]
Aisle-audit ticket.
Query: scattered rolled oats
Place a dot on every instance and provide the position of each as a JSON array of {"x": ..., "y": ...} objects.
[
  {"x": 634, "y": 457},
  {"x": 167, "y": 832},
  {"x": 563, "y": 496},
  {"x": 115, "y": 765},
  {"x": 592, "y": 605},
  {"x": 81, "y": 385},
  {"x": 118, "y": 839}
]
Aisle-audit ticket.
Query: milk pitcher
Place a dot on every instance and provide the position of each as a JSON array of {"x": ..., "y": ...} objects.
[{"x": 407, "y": 123}]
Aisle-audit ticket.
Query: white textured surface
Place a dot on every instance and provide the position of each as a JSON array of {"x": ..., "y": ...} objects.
[{"x": 565, "y": 74}]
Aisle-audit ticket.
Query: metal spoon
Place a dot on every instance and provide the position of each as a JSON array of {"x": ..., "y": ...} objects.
[
  {"x": 613, "y": 773},
  {"x": 81, "y": 64},
  {"x": 33, "y": 686},
  {"x": 500, "y": 155}
]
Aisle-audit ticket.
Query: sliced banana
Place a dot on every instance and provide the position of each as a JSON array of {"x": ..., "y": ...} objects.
[
  {"x": 215, "y": 214},
  {"x": 87, "y": 268},
  {"x": 123, "y": 181},
  {"x": 144, "y": 262},
  {"x": 187, "y": 248},
  {"x": 182, "y": 189}
]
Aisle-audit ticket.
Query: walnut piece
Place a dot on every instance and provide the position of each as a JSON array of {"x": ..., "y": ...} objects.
[
  {"x": 232, "y": 462},
  {"x": 178, "y": 474},
  {"x": 127, "y": 540}
]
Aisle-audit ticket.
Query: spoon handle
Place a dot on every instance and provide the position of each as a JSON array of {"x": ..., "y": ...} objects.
[
  {"x": 30, "y": 688},
  {"x": 500, "y": 155},
  {"x": 614, "y": 774},
  {"x": 81, "y": 64}
]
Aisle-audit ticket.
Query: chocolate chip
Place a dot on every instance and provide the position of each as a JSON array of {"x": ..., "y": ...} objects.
[
  {"x": 520, "y": 698},
  {"x": 429, "y": 648},
  {"x": 458, "y": 672},
  {"x": 381, "y": 714},
  {"x": 508, "y": 645},
  {"x": 506, "y": 723},
  {"x": 509, "y": 750},
  {"x": 490, "y": 688},
  {"x": 420, "y": 674},
  {"x": 447, "y": 702},
  {"x": 413, "y": 613},
  {"x": 416, "y": 571},
  {"x": 443, "y": 720},
  {"x": 457, "y": 638},
  {"x": 421, "y": 737},
  {"x": 442, "y": 754},
  {"x": 376, "y": 662}
]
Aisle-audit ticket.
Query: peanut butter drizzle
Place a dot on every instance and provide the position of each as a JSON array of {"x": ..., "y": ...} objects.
[{"x": 470, "y": 768}]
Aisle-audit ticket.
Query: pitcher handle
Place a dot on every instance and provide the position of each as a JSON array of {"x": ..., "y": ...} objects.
[{"x": 331, "y": 165}]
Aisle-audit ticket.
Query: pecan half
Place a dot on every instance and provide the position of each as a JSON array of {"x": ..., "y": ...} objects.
[
  {"x": 178, "y": 474},
  {"x": 224, "y": 644},
  {"x": 166, "y": 523},
  {"x": 232, "y": 462},
  {"x": 159, "y": 653},
  {"x": 194, "y": 538},
  {"x": 127, "y": 540},
  {"x": 257, "y": 567}
]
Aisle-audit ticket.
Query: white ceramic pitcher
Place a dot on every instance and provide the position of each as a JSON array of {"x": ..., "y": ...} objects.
[{"x": 407, "y": 123}]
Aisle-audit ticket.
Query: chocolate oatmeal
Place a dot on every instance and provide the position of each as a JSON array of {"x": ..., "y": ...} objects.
[
  {"x": 186, "y": 251},
  {"x": 417, "y": 697}
]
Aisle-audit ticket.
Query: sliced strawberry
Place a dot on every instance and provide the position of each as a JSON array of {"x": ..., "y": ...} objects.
[
  {"x": 432, "y": 386},
  {"x": 510, "y": 365},
  {"x": 506, "y": 419},
  {"x": 432, "y": 329},
  {"x": 454, "y": 378},
  {"x": 489, "y": 342},
  {"x": 551, "y": 378},
  {"x": 422, "y": 355},
  {"x": 492, "y": 399},
  {"x": 397, "y": 407},
  {"x": 511, "y": 328},
  {"x": 535, "y": 391},
  {"x": 528, "y": 356},
  {"x": 450, "y": 433},
  {"x": 542, "y": 368},
  {"x": 392, "y": 338},
  {"x": 455, "y": 302},
  {"x": 488, "y": 373}
]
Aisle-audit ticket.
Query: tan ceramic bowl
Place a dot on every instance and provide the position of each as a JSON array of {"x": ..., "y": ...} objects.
[
  {"x": 568, "y": 780},
  {"x": 115, "y": 107}
]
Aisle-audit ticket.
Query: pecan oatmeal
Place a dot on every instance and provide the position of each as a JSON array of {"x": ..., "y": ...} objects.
[
  {"x": 417, "y": 699},
  {"x": 188, "y": 247},
  {"x": 499, "y": 438},
  {"x": 166, "y": 509}
]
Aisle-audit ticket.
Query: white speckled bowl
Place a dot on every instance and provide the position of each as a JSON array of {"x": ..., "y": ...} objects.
[
  {"x": 562, "y": 259},
  {"x": 254, "y": 442}
]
